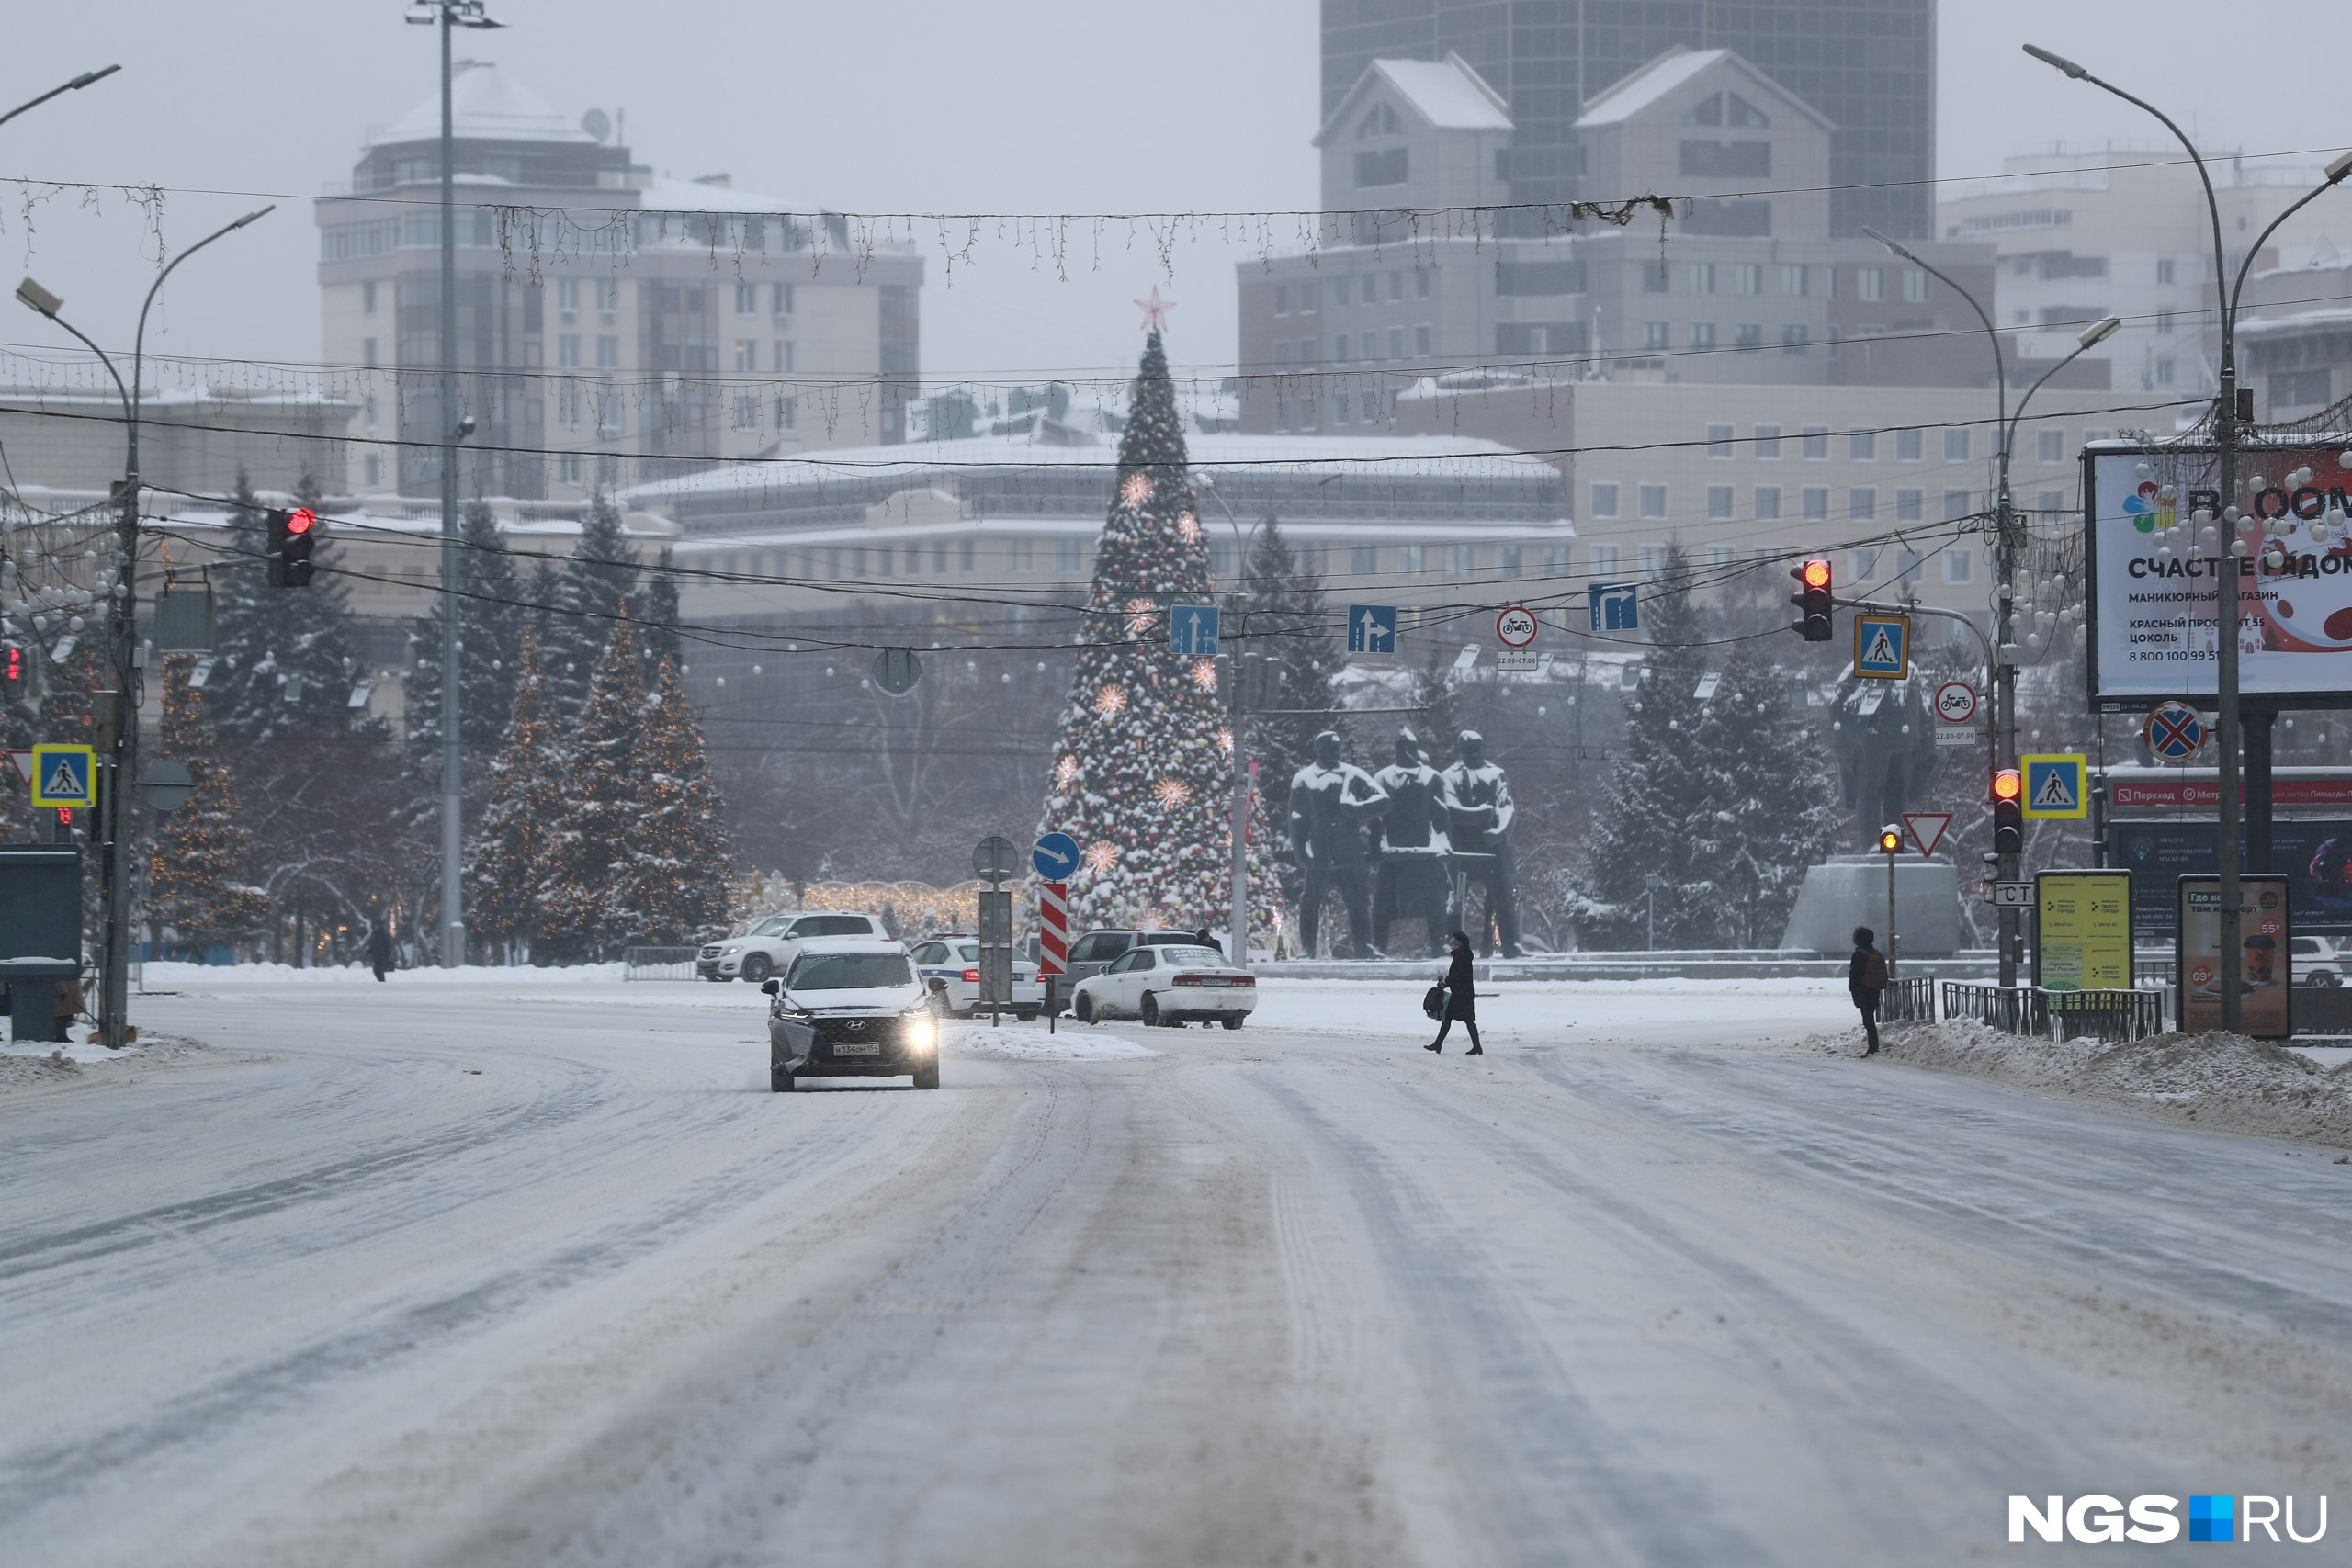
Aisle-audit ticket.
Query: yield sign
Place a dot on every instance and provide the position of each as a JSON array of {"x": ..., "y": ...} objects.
[{"x": 1927, "y": 829}]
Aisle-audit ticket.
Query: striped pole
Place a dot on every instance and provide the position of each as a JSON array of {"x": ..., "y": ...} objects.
[{"x": 1053, "y": 943}]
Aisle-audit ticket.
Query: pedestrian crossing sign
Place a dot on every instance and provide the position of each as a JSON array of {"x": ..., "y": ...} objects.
[
  {"x": 1883, "y": 647},
  {"x": 2057, "y": 784},
  {"x": 65, "y": 777}
]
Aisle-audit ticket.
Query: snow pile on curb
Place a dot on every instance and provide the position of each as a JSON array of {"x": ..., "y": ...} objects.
[
  {"x": 2221, "y": 1081},
  {"x": 36, "y": 1064},
  {"x": 199, "y": 978},
  {"x": 1034, "y": 1044}
]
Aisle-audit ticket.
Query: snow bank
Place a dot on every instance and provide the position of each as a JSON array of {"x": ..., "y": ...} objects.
[
  {"x": 37, "y": 1064},
  {"x": 2221, "y": 1081},
  {"x": 1030, "y": 1043},
  {"x": 162, "y": 976}
]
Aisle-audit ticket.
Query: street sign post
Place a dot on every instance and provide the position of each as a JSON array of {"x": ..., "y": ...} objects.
[
  {"x": 1518, "y": 661},
  {"x": 65, "y": 777},
  {"x": 1927, "y": 829},
  {"x": 1053, "y": 857},
  {"x": 2056, "y": 784},
  {"x": 992, "y": 859},
  {"x": 993, "y": 863},
  {"x": 1960, "y": 734},
  {"x": 1883, "y": 647},
  {"x": 1516, "y": 628},
  {"x": 1053, "y": 941},
  {"x": 1371, "y": 630},
  {"x": 2175, "y": 732},
  {"x": 2013, "y": 895},
  {"x": 1192, "y": 630},
  {"x": 1955, "y": 702},
  {"x": 1613, "y": 606},
  {"x": 895, "y": 670}
]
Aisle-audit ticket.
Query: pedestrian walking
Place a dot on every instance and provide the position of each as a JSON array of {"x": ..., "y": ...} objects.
[
  {"x": 380, "y": 949},
  {"x": 1461, "y": 998},
  {"x": 1866, "y": 981}
]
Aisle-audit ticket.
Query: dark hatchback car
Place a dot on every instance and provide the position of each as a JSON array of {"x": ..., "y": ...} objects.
[{"x": 851, "y": 1006}]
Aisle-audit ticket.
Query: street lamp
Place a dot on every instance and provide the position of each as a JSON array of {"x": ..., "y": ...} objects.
[
  {"x": 76, "y": 85},
  {"x": 2008, "y": 531},
  {"x": 2233, "y": 409},
  {"x": 447, "y": 15},
  {"x": 122, "y": 763},
  {"x": 1238, "y": 914}
]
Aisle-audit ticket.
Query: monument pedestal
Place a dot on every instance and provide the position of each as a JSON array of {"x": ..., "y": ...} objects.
[{"x": 1847, "y": 891}]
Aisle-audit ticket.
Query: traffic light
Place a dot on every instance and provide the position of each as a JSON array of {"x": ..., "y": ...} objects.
[
  {"x": 2009, "y": 812},
  {"x": 1890, "y": 842},
  {"x": 1811, "y": 600},
  {"x": 292, "y": 536}
]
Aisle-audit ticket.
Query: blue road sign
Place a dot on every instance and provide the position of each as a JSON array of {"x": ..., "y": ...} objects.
[
  {"x": 2175, "y": 731},
  {"x": 1614, "y": 607},
  {"x": 1883, "y": 647},
  {"x": 1372, "y": 628},
  {"x": 1192, "y": 630},
  {"x": 64, "y": 775},
  {"x": 1054, "y": 857},
  {"x": 2056, "y": 783}
]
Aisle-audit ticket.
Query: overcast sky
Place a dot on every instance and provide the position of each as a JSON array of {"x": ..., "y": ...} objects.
[{"x": 1052, "y": 106}]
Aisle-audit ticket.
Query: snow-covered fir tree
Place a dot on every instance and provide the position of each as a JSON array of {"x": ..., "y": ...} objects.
[
  {"x": 585, "y": 885},
  {"x": 1143, "y": 769},
  {"x": 513, "y": 846},
  {"x": 198, "y": 863},
  {"x": 1286, "y": 624},
  {"x": 677, "y": 876},
  {"x": 1769, "y": 808},
  {"x": 587, "y": 590},
  {"x": 490, "y": 635},
  {"x": 282, "y": 656},
  {"x": 657, "y": 620}
]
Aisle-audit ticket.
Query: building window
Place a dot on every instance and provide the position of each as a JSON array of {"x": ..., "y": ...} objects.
[
  {"x": 1604, "y": 560},
  {"x": 2165, "y": 368},
  {"x": 1510, "y": 562},
  {"x": 1702, "y": 334},
  {"x": 1860, "y": 564},
  {"x": 1700, "y": 277},
  {"x": 368, "y": 411},
  {"x": 1719, "y": 443},
  {"x": 1363, "y": 560},
  {"x": 1908, "y": 446},
  {"x": 1412, "y": 559},
  {"x": 608, "y": 469},
  {"x": 1910, "y": 506},
  {"x": 1955, "y": 505},
  {"x": 1955, "y": 445},
  {"x": 374, "y": 464},
  {"x": 1793, "y": 275},
  {"x": 1653, "y": 560},
  {"x": 1421, "y": 343},
  {"x": 1653, "y": 499},
  {"x": 1340, "y": 408},
  {"x": 967, "y": 556},
  {"x": 783, "y": 360},
  {"x": 1869, "y": 284},
  {"x": 1306, "y": 299},
  {"x": 1653, "y": 336},
  {"x": 1768, "y": 443},
  {"x": 1747, "y": 277},
  {"x": 2050, "y": 503},
  {"x": 1815, "y": 442},
  {"x": 1748, "y": 336},
  {"x": 2050, "y": 445},
  {"x": 568, "y": 466},
  {"x": 1718, "y": 556},
  {"x": 567, "y": 351},
  {"x": 787, "y": 413},
  {"x": 368, "y": 298},
  {"x": 368, "y": 352},
  {"x": 1719, "y": 504},
  {"x": 1340, "y": 286},
  {"x": 1066, "y": 556},
  {"x": 747, "y": 355},
  {"x": 1282, "y": 298},
  {"x": 1020, "y": 555},
  {"x": 1340, "y": 348},
  {"x": 1217, "y": 558},
  {"x": 2163, "y": 269},
  {"x": 608, "y": 353},
  {"x": 1460, "y": 561},
  {"x": 1383, "y": 167},
  {"x": 1861, "y": 446},
  {"x": 608, "y": 297},
  {"x": 1653, "y": 277},
  {"x": 1604, "y": 500},
  {"x": 784, "y": 299},
  {"x": 1959, "y": 564},
  {"x": 1915, "y": 284},
  {"x": 747, "y": 411},
  {"x": 1817, "y": 504},
  {"x": 2164, "y": 323},
  {"x": 747, "y": 298},
  {"x": 1794, "y": 339},
  {"x": 1768, "y": 504},
  {"x": 1307, "y": 351},
  {"x": 1395, "y": 343},
  {"x": 1862, "y": 504}
]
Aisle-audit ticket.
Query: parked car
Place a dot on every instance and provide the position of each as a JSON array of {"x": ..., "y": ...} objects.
[
  {"x": 2315, "y": 960},
  {"x": 1092, "y": 953},
  {"x": 850, "y": 1006},
  {"x": 949, "y": 968},
  {"x": 1166, "y": 984},
  {"x": 768, "y": 945}
]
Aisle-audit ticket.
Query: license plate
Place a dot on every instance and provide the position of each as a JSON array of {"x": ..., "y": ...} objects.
[{"x": 857, "y": 1047}]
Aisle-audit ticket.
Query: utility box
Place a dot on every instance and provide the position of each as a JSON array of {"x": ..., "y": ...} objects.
[{"x": 40, "y": 931}]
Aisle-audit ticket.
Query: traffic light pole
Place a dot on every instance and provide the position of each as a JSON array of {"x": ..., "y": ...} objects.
[{"x": 452, "y": 908}]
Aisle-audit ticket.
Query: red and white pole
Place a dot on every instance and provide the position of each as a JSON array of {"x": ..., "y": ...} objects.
[{"x": 1053, "y": 941}]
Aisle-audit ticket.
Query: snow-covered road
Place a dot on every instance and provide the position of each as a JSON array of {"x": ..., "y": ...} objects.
[{"x": 428, "y": 1273}]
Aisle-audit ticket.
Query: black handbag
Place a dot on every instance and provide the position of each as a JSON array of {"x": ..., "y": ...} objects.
[{"x": 1433, "y": 1002}]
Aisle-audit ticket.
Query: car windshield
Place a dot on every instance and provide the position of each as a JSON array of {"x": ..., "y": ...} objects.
[
  {"x": 849, "y": 972},
  {"x": 1175, "y": 955}
]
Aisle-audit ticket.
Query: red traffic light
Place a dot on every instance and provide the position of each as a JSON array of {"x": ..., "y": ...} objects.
[
  {"x": 302, "y": 520},
  {"x": 1816, "y": 574},
  {"x": 2007, "y": 783}
]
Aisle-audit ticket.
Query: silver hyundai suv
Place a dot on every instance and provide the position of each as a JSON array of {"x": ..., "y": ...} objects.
[{"x": 767, "y": 946}]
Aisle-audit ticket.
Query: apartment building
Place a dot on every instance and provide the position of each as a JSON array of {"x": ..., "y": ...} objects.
[{"x": 614, "y": 325}]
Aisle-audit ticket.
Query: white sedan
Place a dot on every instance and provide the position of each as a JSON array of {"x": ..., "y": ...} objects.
[{"x": 1167, "y": 985}]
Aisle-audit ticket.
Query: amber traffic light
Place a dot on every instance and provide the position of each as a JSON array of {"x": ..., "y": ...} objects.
[
  {"x": 2008, "y": 811},
  {"x": 1812, "y": 600}
]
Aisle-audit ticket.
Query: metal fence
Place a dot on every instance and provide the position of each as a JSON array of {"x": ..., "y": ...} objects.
[
  {"x": 1908, "y": 1001},
  {"x": 2030, "y": 1009},
  {"x": 658, "y": 964}
]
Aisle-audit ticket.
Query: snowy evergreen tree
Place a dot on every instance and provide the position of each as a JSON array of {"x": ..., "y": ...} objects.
[
  {"x": 586, "y": 881},
  {"x": 198, "y": 864},
  {"x": 1769, "y": 804},
  {"x": 1144, "y": 768},
  {"x": 1438, "y": 695},
  {"x": 589, "y": 588},
  {"x": 490, "y": 638},
  {"x": 1286, "y": 624},
  {"x": 657, "y": 624},
  {"x": 512, "y": 847},
  {"x": 677, "y": 874},
  {"x": 283, "y": 664}
]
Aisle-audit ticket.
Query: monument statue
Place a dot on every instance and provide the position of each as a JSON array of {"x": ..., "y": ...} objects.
[
  {"x": 1885, "y": 744},
  {"x": 1411, "y": 883},
  {"x": 1331, "y": 802},
  {"x": 1478, "y": 815}
]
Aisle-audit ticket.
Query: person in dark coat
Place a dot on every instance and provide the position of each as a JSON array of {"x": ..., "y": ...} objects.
[
  {"x": 380, "y": 948},
  {"x": 1460, "y": 997},
  {"x": 1866, "y": 981}
]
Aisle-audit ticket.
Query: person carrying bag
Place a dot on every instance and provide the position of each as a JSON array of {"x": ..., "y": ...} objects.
[{"x": 1461, "y": 998}]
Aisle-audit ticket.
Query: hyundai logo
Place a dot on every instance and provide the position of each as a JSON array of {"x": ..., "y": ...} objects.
[{"x": 857, "y": 1024}]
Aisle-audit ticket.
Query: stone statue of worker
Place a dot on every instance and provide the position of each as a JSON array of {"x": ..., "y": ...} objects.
[
  {"x": 1331, "y": 803},
  {"x": 1478, "y": 815},
  {"x": 1411, "y": 881}
]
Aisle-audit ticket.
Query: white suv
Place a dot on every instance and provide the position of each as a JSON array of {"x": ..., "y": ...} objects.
[
  {"x": 2315, "y": 960},
  {"x": 769, "y": 944}
]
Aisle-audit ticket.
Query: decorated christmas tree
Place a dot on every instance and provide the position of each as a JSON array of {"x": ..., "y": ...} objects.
[
  {"x": 198, "y": 866},
  {"x": 676, "y": 873},
  {"x": 513, "y": 843},
  {"x": 1143, "y": 772},
  {"x": 586, "y": 884}
]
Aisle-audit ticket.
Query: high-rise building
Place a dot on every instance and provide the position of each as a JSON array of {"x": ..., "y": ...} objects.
[
  {"x": 1867, "y": 67},
  {"x": 614, "y": 325}
]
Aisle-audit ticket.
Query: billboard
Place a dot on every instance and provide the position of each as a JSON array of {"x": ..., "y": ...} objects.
[
  {"x": 2314, "y": 857},
  {"x": 2154, "y": 624},
  {"x": 2259, "y": 968}
]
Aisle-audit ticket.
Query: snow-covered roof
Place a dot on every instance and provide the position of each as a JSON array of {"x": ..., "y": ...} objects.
[
  {"x": 485, "y": 103},
  {"x": 1446, "y": 92},
  {"x": 1397, "y": 530},
  {"x": 664, "y": 194},
  {"x": 2301, "y": 321},
  {"x": 1387, "y": 457},
  {"x": 1676, "y": 68}
]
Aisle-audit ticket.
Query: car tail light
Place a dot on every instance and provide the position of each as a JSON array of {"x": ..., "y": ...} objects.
[
  {"x": 1242, "y": 980},
  {"x": 972, "y": 977}
]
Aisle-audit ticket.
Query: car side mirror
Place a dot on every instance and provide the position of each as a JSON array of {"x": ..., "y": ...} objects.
[{"x": 771, "y": 988}]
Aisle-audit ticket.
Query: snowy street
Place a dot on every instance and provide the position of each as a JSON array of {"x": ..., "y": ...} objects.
[{"x": 438, "y": 1272}]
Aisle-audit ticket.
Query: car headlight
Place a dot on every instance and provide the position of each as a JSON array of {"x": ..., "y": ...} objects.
[
  {"x": 729, "y": 950},
  {"x": 917, "y": 1029}
]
